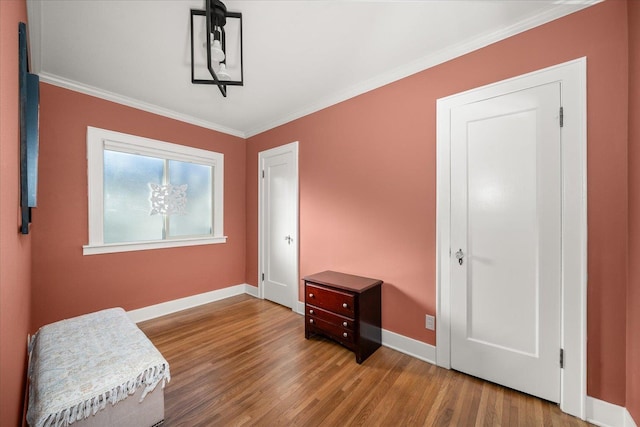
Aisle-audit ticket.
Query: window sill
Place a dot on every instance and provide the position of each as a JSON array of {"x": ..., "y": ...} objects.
[{"x": 143, "y": 246}]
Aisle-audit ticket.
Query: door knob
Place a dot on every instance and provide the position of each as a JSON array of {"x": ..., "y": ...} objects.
[
  {"x": 459, "y": 256},
  {"x": 289, "y": 239}
]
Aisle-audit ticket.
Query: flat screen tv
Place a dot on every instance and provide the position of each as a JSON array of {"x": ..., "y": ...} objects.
[{"x": 29, "y": 89}]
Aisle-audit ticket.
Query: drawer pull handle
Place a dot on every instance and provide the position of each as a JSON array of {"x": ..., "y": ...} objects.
[
  {"x": 310, "y": 320},
  {"x": 345, "y": 335},
  {"x": 310, "y": 295},
  {"x": 345, "y": 324},
  {"x": 310, "y": 311},
  {"x": 345, "y": 305}
]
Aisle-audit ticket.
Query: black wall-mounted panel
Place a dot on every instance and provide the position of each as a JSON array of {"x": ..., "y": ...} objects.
[
  {"x": 29, "y": 93},
  {"x": 33, "y": 107}
]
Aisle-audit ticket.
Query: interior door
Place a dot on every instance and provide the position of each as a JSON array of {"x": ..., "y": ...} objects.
[
  {"x": 279, "y": 224},
  {"x": 506, "y": 240}
]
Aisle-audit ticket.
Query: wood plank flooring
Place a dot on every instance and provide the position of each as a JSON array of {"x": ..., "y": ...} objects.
[{"x": 244, "y": 361}]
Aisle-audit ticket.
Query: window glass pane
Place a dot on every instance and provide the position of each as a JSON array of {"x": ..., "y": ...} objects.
[
  {"x": 126, "y": 197},
  {"x": 198, "y": 217}
]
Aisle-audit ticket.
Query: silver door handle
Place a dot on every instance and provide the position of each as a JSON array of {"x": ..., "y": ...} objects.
[
  {"x": 459, "y": 256},
  {"x": 289, "y": 239}
]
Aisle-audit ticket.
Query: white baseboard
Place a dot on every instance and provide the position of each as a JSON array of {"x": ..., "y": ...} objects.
[
  {"x": 408, "y": 346},
  {"x": 162, "y": 309},
  {"x": 418, "y": 349},
  {"x": 251, "y": 290},
  {"x": 598, "y": 412},
  {"x": 607, "y": 414}
]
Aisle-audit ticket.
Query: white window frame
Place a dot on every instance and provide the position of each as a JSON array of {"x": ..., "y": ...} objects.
[{"x": 99, "y": 140}]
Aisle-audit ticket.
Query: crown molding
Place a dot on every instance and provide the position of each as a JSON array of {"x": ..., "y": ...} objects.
[
  {"x": 134, "y": 103},
  {"x": 563, "y": 8}
]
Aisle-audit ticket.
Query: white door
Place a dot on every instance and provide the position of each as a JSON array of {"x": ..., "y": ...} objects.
[
  {"x": 506, "y": 199},
  {"x": 279, "y": 224}
]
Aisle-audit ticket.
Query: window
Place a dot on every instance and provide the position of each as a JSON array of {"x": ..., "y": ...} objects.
[{"x": 148, "y": 194}]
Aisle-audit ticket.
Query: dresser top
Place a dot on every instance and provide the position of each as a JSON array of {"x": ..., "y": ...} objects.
[{"x": 343, "y": 281}]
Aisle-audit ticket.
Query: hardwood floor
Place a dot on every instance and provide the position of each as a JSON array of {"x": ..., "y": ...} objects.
[{"x": 245, "y": 361}]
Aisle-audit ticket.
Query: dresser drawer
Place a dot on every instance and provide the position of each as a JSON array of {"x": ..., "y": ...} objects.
[
  {"x": 329, "y": 317},
  {"x": 330, "y": 299},
  {"x": 346, "y": 309},
  {"x": 338, "y": 333}
]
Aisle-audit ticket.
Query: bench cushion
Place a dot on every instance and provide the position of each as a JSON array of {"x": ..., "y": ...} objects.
[{"x": 79, "y": 365}]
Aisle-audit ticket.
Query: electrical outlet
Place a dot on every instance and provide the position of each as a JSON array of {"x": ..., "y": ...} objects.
[{"x": 430, "y": 323}]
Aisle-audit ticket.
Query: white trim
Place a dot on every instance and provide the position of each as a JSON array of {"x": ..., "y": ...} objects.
[
  {"x": 290, "y": 147},
  {"x": 572, "y": 76},
  {"x": 110, "y": 248},
  {"x": 162, "y": 309},
  {"x": 563, "y": 8},
  {"x": 406, "y": 345},
  {"x": 628, "y": 419},
  {"x": 598, "y": 411},
  {"x": 414, "y": 348},
  {"x": 99, "y": 140},
  {"x": 131, "y": 144},
  {"x": 409, "y": 346},
  {"x": 252, "y": 290},
  {"x": 134, "y": 103},
  {"x": 607, "y": 414}
]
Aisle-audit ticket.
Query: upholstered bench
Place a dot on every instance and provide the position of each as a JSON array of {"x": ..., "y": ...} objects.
[{"x": 98, "y": 369}]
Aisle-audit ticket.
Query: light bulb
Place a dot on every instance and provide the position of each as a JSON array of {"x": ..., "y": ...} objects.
[
  {"x": 222, "y": 73},
  {"x": 217, "y": 54}
]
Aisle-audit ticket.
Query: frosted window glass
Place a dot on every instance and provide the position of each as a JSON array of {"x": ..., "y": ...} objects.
[
  {"x": 126, "y": 197},
  {"x": 198, "y": 218}
]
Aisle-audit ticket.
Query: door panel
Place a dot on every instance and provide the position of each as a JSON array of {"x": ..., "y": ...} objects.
[
  {"x": 279, "y": 226},
  {"x": 506, "y": 221}
]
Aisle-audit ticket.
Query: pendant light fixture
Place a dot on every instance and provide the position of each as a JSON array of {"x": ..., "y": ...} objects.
[{"x": 223, "y": 51}]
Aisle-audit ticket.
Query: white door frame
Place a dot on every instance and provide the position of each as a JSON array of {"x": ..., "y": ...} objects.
[
  {"x": 292, "y": 147},
  {"x": 572, "y": 78}
]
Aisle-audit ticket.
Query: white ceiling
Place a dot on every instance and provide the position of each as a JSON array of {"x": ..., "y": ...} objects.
[{"x": 299, "y": 56}]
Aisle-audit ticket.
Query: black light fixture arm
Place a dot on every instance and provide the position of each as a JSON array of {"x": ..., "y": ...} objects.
[
  {"x": 216, "y": 16},
  {"x": 215, "y": 12}
]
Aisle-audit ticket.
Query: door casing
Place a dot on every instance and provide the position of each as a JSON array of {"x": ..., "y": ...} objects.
[
  {"x": 291, "y": 147},
  {"x": 572, "y": 78}
]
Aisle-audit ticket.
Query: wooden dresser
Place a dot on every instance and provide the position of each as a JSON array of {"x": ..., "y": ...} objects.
[{"x": 345, "y": 308}]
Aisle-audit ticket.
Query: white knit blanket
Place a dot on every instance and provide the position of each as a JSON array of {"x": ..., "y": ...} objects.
[{"x": 79, "y": 365}]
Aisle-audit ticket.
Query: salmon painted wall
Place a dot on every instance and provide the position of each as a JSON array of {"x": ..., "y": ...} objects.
[
  {"x": 633, "y": 291},
  {"x": 368, "y": 180},
  {"x": 66, "y": 283},
  {"x": 15, "y": 248}
]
